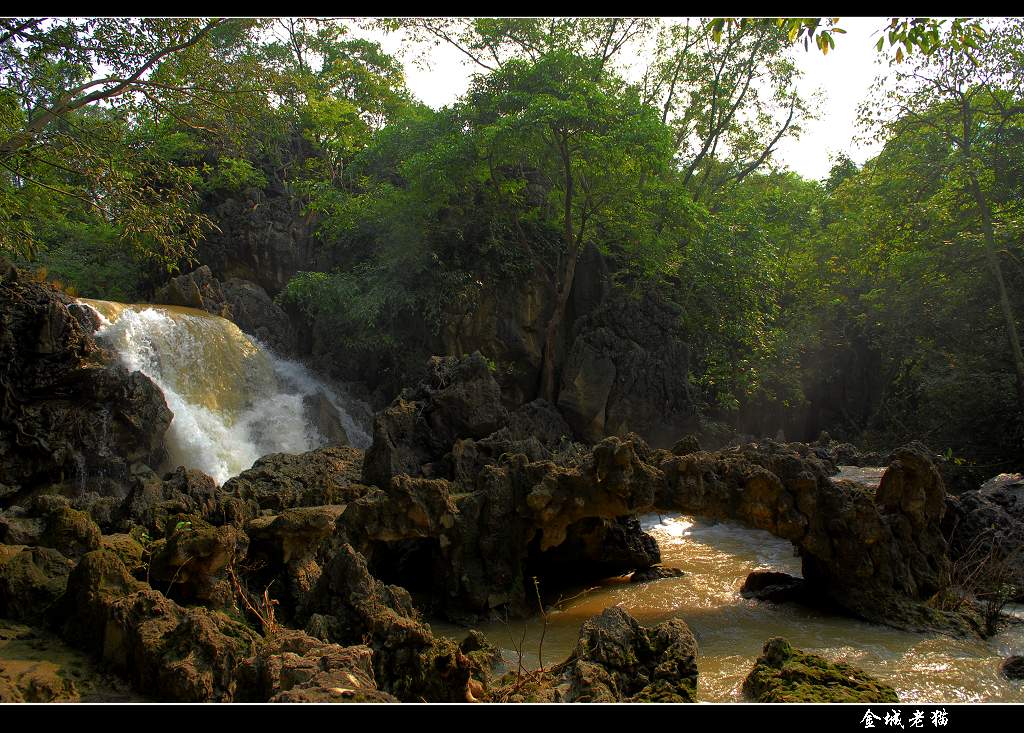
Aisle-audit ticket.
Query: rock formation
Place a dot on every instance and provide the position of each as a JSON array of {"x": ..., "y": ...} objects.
[
  {"x": 615, "y": 660},
  {"x": 785, "y": 674},
  {"x": 68, "y": 413}
]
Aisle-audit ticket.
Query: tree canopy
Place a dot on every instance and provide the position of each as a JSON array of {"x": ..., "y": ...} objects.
[{"x": 863, "y": 303}]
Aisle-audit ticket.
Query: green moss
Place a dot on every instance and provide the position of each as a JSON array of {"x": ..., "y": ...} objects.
[
  {"x": 785, "y": 674},
  {"x": 662, "y": 691}
]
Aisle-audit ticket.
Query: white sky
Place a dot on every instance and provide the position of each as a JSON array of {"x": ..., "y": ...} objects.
[{"x": 844, "y": 75}]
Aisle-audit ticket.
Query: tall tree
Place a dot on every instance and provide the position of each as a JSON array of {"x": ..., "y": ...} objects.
[
  {"x": 489, "y": 43},
  {"x": 596, "y": 147},
  {"x": 730, "y": 103},
  {"x": 730, "y": 98},
  {"x": 906, "y": 35},
  {"x": 970, "y": 99}
]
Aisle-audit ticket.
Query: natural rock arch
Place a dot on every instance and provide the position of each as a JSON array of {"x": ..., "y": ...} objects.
[{"x": 879, "y": 555}]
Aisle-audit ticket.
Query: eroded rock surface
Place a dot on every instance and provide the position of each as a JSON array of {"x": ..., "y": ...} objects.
[
  {"x": 985, "y": 531},
  {"x": 69, "y": 414},
  {"x": 281, "y": 481},
  {"x": 616, "y": 660},
  {"x": 197, "y": 289},
  {"x": 292, "y": 666}
]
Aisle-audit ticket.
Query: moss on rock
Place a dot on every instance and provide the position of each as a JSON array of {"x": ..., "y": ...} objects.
[{"x": 785, "y": 674}]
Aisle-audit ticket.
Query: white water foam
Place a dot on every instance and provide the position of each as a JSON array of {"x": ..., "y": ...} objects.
[{"x": 227, "y": 414}]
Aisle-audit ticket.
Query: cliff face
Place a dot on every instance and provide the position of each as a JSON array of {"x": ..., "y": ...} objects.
[
  {"x": 622, "y": 364},
  {"x": 263, "y": 237}
]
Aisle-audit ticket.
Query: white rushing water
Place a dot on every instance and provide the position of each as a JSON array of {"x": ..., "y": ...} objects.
[{"x": 233, "y": 399}]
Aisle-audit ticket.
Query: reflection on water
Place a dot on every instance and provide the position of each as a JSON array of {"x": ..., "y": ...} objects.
[{"x": 731, "y": 630}]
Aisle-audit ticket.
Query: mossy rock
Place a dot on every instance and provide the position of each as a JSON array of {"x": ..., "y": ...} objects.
[
  {"x": 785, "y": 674},
  {"x": 71, "y": 532},
  {"x": 130, "y": 552}
]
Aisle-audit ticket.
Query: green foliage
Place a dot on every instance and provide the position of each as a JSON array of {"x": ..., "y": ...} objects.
[
  {"x": 867, "y": 296},
  {"x": 233, "y": 174},
  {"x": 906, "y": 35},
  {"x": 76, "y": 122},
  {"x": 540, "y": 158},
  {"x": 91, "y": 258}
]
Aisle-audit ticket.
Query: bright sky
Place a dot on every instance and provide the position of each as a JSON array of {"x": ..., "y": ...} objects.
[{"x": 845, "y": 75}]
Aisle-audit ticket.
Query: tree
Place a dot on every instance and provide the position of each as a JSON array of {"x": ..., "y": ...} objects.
[
  {"x": 730, "y": 105},
  {"x": 597, "y": 149},
  {"x": 491, "y": 42},
  {"x": 970, "y": 101},
  {"x": 730, "y": 98},
  {"x": 80, "y": 98}
]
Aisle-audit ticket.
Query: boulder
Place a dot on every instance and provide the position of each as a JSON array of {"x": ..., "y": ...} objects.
[
  {"x": 129, "y": 551},
  {"x": 349, "y": 606},
  {"x": 1013, "y": 668},
  {"x": 290, "y": 548},
  {"x": 71, "y": 532},
  {"x": 785, "y": 674},
  {"x": 197, "y": 289},
  {"x": 196, "y": 561},
  {"x": 985, "y": 531},
  {"x": 258, "y": 315},
  {"x": 49, "y": 521},
  {"x": 458, "y": 400},
  {"x": 656, "y": 572},
  {"x": 154, "y": 503},
  {"x": 164, "y": 650},
  {"x": 279, "y": 481},
  {"x": 324, "y": 416},
  {"x": 767, "y": 585},
  {"x": 615, "y": 660},
  {"x": 292, "y": 666},
  {"x": 31, "y": 580},
  {"x": 686, "y": 445}
]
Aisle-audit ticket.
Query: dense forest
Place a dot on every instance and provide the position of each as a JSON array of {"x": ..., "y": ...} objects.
[
  {"x": 878, "y": 304},
  {"x": 588, "y": 290}
]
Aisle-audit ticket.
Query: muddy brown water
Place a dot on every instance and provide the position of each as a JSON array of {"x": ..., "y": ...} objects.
[{"x": 731, "y": 630}]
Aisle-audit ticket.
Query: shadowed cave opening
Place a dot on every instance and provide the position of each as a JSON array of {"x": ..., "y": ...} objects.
[{"x": 410, "y": 563}]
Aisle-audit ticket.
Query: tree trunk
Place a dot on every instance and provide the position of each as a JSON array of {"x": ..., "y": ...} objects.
[
  {"x": 1004, "y": 299},
  {"x": 548, "y": 388}
]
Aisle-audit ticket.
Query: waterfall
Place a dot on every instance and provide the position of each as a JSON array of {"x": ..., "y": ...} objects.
[{"x": 233, "y": 399}]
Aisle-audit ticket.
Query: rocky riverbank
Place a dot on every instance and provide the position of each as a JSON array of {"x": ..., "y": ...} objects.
[{"x": 306, "y": 577}]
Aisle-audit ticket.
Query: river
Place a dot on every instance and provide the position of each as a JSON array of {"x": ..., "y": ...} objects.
[{"x": 730, "y": 630}]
